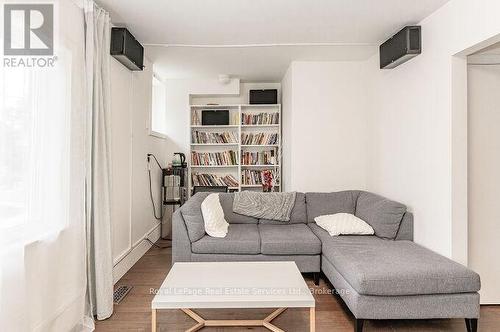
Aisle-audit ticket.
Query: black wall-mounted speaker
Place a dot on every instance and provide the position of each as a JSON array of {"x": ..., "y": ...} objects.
[
  {"x": 403, "y": 46},
  {"x": 267, "y": 96},
  {"x": 126, "y": 49}
]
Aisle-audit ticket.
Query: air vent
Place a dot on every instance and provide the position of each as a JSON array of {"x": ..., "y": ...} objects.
[{"x": 120, "y": 293}]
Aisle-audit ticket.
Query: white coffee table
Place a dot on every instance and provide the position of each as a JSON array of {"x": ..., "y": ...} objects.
[{"x": 221, "y": 285}]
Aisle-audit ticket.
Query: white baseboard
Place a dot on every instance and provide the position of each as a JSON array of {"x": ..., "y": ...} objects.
[{"x": 139, "y": 249}]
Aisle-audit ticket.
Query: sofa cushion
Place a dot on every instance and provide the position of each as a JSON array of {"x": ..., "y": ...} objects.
[
  {"x": 381, "y": 213},
  {"x": 298, "y": 215},
  {"x": 319, "y": 204},
  {"x": 193, "y": 218},
  {"x": 295, "y": 239},
  {"x": 226, "y": 201},
  {"x": 374, "y": 266},
  {"x": 240, "y": 239}
]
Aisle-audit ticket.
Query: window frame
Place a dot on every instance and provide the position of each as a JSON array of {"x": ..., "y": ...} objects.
[{"x": 153, "y": 132}]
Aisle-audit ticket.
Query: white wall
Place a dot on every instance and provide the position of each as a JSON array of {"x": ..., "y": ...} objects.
[
  {"x": 419, "y": 125},
  {"x": 325, "y": 126},
  {"x": 131, "y": 216},
  {"x": 286, "y": 129},
  {"x": 484, "y": 177}
]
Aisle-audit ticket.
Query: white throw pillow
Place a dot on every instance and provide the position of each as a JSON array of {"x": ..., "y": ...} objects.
[
  {"x": 213, "y": 216},
  {"x": 343, "y": 223}
]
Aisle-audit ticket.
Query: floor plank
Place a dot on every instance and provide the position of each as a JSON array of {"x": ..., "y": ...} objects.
[{"x": 134, "y": 312}]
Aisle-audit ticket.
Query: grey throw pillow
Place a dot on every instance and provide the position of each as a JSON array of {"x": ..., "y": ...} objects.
[
  {"x": 381, "y": 213},
  {"x": 191, "y": 212}
]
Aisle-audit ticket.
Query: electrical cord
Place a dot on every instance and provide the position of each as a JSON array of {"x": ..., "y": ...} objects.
[{"x": 149, "y": 155}]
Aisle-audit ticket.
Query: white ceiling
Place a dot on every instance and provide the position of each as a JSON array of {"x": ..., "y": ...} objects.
[
  {"x": 254, "y": 64},
  {"x": 355, "y": 27}
]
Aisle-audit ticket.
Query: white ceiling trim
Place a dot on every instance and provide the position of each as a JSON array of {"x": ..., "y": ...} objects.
[{"x": 259, "y": 45}]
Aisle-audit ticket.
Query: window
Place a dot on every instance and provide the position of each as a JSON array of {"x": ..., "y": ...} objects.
[
  {"x": 36, "y": 128},
  {"x": 158, "y": 109}
]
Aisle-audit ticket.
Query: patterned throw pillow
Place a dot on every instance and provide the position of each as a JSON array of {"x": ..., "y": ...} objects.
[{"x": 343, "y": 223}]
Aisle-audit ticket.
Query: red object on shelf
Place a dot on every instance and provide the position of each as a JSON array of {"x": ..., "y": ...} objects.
[{"x": 267, "y": 180}]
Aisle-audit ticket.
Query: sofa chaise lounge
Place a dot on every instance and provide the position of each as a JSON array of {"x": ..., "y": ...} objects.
[{"x": 381, "y": 276}]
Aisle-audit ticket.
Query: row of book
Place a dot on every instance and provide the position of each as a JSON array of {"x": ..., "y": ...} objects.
[
  {"x": 203, "y": 137},
  {"x": 253, "y": 177},
  {"x": 260, "y": 119},
  {"x": 259, "y": 138},
  {"x": 200, "y": 179},
  {"x": 259, "y": 158},
  {"x": 223, "y": 158}
]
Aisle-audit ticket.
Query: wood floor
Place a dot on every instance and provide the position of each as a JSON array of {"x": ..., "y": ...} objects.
[{"x": 134, "y": 312}]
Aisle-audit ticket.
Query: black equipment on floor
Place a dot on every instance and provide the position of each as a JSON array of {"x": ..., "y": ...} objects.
[{"x": 173, "y": 188}]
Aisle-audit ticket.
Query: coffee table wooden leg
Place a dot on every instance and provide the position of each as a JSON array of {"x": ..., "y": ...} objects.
[
  {"x": 266, "y": 322},
  {"x": 312, "y": 319},
  {"x": 153, "y": 320}
]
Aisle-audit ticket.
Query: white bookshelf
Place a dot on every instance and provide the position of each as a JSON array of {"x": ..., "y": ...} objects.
[{"x": 235, "y": 126}]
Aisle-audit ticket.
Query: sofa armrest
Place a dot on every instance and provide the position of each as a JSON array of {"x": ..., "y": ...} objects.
[
  {"x": 181, "y": 245},
  {"x": 405, "y": 231}
]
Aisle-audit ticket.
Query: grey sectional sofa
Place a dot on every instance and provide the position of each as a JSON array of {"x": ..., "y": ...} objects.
[{"x": 384, "y": 276}]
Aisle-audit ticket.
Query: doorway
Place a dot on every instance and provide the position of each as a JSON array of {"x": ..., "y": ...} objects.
[{"x": 483, "y": 80}]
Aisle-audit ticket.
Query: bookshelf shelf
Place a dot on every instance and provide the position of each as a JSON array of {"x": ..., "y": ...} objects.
[
  {"x": 261, "y": 105},
  {"x": 259, "y": 145},
  {"x": 230, "y": 188},
  {"x": 261, "y": 126},
  {"x": 214, "y": 144},
  {"x": 216, "y": 106},
  {"x": 214, "y": 166},
  {"x": 254, "y": 185},
  {"x": 253, "y": 113},
  {"x": 220, "y": 126}
]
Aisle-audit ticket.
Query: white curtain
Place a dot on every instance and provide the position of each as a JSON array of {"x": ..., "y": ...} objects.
[
  {"x": 100, "y": 264},
  {"x": 42, "y": 187}
]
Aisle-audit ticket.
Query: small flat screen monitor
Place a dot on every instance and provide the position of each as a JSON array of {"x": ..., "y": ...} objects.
[{"x": 214, "y": 117}]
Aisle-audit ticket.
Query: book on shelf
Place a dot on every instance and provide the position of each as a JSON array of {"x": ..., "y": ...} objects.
[
  {"x": 205, "y": 179},
  {"x": 259, "y": 158},
  {"x": 203, "y": 137},
  {"x": 224, "y": 158},
  {"x": 260, "y": 119},
  {"x": 253, "y": 177},
  {"x": 195, "y": 118},
  {"x": 259, "y": 138}
]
